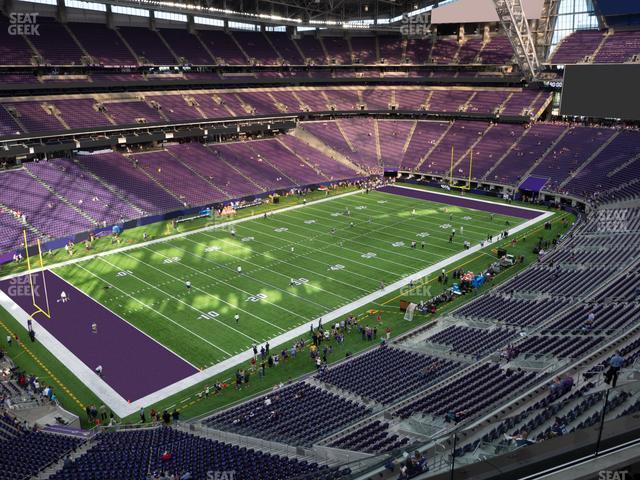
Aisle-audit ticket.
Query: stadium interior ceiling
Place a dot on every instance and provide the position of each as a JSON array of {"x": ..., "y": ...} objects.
[{"x": 319, "y": 9}]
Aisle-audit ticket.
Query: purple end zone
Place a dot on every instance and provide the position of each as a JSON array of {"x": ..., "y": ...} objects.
[
  {"x": 464, "y": 202},
  {"x": 134, "y": 365}
]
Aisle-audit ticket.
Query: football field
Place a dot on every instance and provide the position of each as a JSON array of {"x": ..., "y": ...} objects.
[
  {"x": 251, "y": 281},
  {"x": 295, "y": 266}
]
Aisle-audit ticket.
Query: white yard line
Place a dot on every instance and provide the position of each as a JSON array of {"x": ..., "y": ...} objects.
[
  {"x": 410, "y": 233},
  {"x": 418, "y": 218},
  {"x": 475, "y": 222},
  {"x": 306, "y": 269},
  {"x": 255, "y": 255},
  {"x": 351, "y": 240},
  {"x": 367, "y": 245},
  {"x": 339, "y": 239},
  {"x": 259, "y": 267},
  {"x": 323, "y": 249},
  {"x": 217, "y": 280},
  {"x": 188, "y": 305},
  {"x": 154, "y": 310}
]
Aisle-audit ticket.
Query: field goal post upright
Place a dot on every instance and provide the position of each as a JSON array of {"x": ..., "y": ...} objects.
[
  {"x": 44, "y": 310},
  {"x": 452, "y": 183}
]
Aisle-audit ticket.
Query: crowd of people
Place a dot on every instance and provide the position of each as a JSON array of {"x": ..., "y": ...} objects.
[
  {"x": 155, "y": 416},
  {"x": 29, "y": 386}
]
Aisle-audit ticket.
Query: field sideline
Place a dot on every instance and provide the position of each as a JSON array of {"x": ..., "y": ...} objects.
[{"x": 297, "y": 266}]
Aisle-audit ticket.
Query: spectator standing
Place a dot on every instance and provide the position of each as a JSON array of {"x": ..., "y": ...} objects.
[{"x": 615, "y": 364}]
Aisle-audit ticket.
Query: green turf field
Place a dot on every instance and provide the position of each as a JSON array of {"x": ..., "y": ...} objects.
[{"x": 294, "y": 268}]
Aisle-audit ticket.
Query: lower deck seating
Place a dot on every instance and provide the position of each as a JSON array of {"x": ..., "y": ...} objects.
[
  {"x": 298, "y": 414},
  {"x": 23, "y": 453},
  {"x": 387, "y": 374},
  {"x": 470, "y": 393},
  {"x": 62, "y": 197},
  {"x": 137, "y": 454},
  {"x": 372, "y": 438}
]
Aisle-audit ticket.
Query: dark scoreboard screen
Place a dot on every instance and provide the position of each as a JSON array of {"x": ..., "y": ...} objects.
[
  {"x": 618, "y": 7},
  {"x": 602, "y": 91}
]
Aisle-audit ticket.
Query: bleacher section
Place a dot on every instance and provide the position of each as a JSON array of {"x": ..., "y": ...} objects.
[
  {"x": 387, "y": 374},
  {"x": 103, "y": 44},
  {"x": 289, "y": 415},
  {"x": 565, "y": 156},
  {"x": 372, "y": 438},
  {"x": 63, "y": 114},
  {"x": 67, "y": 197},
  {"x": 470, "y": 393},
  {"x": 133, "y": 45},
  {"x": 23, "y": 453},
  {"x": 137, "y": 454},
  {"x": 576, "y": 47},
  {"x": 593, "y": 46},
  {"x": 472, "y": 341}
]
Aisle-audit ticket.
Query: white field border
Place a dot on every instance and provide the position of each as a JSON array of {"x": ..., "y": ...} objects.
[{"x": 123, "y": 408}]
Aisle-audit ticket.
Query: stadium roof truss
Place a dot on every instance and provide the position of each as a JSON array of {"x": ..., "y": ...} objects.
[
  {"x": 516, "y": 27},
  {"x": 545, "y": 27}
]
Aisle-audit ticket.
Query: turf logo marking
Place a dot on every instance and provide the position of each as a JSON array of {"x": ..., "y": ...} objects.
[
  {"x": 361, "y": 207},
  {"x": 423, "y": 234},
  {"x": 382, "y": 201},
  {"x": 281, "y": 229},
  {"x": 336, "y": 214},
  {"x": 309, "y": 222},
  {"x": 467, "y": 218},
  {"x": 171, "y": 260},
  {"x": 398, "y": 244},
  {"x": 336, "y": 267},
  {"x": 445, "y": 225},
  {"x": 257, "y": 297},
  {"x": 124, "y": 273},
  {"x": 212, "y": 248},
  {"x": 299, "y": 281},
  {"x": 248, "y": 239},
  {"x": 209, "y": 315},
  {"x": 369, "y": 255}
]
